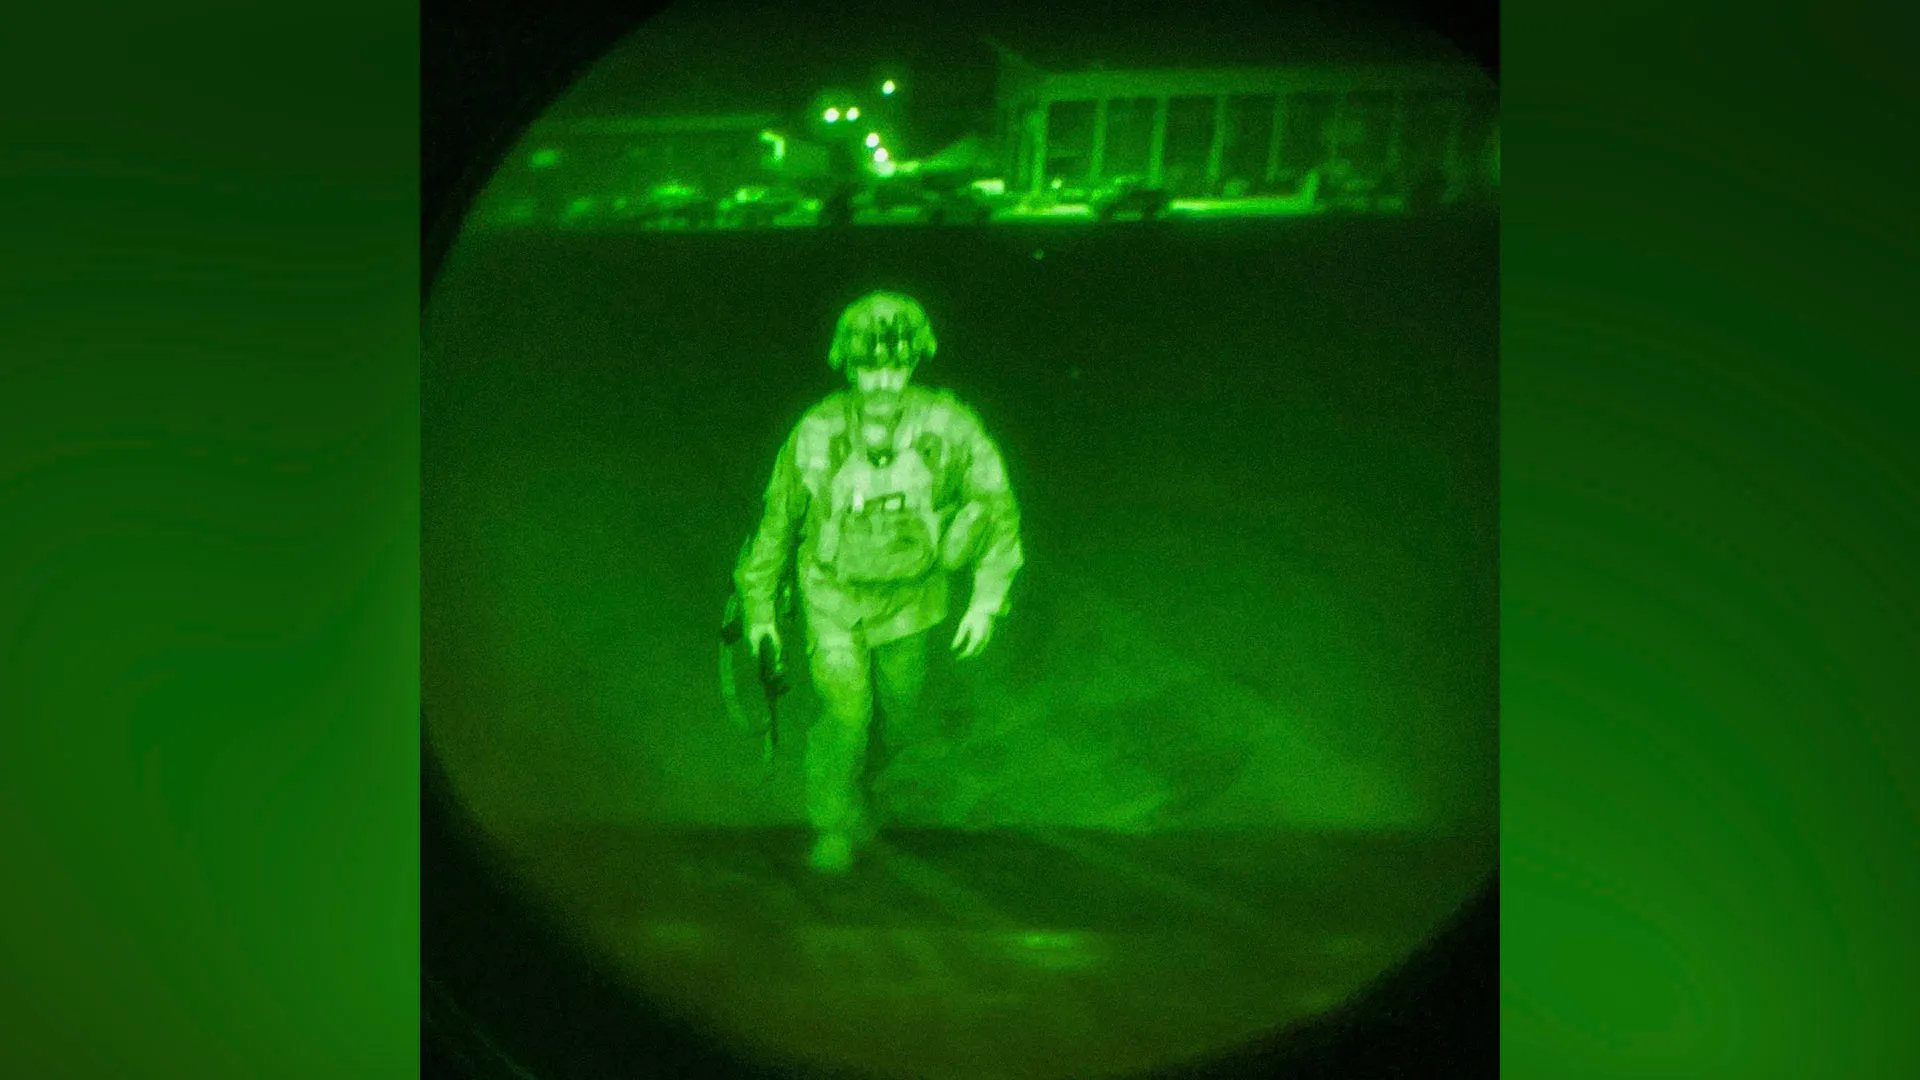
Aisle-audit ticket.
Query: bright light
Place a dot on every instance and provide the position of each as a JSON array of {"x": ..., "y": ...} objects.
[
  {"x": 832, "y": 116},
  {"x": 888, "y": 87},
  {"x": 880, "y": 154},
  {"x": 873, "y": 139},
  {"x": 545, "y": 158},
  {"x": 853, "y": 113}
]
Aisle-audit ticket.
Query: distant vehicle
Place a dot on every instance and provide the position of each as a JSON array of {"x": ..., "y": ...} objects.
[
  {"x": 581, "y": 209},
  {"x": 899, "y": 192},
  {"x": 1130, "y": 197},
  {"x": 756, "y": 207},
  {"x": 674, "y": 206},
  {"x": 955, "y": 198},
  {"x": 933, "y": 197},
  {"x": 1060, "y": 193}
]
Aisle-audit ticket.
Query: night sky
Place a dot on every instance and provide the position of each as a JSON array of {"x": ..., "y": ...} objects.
[{"x": 743, "y": 56}]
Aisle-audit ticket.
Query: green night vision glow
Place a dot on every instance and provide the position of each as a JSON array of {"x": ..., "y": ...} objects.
[{"x": 1230, "y": 752}]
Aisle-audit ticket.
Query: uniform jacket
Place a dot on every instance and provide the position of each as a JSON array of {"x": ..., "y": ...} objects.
[{"x": 947, "y": 473}]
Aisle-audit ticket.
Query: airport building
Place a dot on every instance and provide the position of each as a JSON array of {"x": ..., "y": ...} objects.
[
  {"x": 1032, "y": 126},
  {"x": 1243, "y": 129}
]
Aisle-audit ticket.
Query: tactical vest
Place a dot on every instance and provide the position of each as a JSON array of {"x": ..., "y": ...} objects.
[{"x": 884, "y": 523}]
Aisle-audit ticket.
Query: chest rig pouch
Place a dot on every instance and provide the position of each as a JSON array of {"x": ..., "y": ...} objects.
[{"x": 882, "y": 527}]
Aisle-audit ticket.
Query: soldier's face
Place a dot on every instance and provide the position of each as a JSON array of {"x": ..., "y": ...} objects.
[{"x": 879, "y": 386}]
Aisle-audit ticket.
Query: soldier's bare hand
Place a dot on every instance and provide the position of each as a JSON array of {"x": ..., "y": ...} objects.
[
  {"x": 763, "y": 635},
  {"x": 976, "y": 629}
]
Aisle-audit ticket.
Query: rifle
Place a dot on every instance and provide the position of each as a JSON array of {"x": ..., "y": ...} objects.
[
  {"x": 773, "y": 680},
  {"x": 773, "y": 675}
]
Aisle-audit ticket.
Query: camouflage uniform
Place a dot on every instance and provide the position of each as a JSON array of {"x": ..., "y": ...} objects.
[{"x": 866, "y": 632}]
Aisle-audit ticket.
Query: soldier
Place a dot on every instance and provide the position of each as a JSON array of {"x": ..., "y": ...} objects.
[{"x": 881, "y": 494}]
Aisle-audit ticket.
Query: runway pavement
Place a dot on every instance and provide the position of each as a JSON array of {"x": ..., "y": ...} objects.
[{"x": 1003, "y": 953}]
